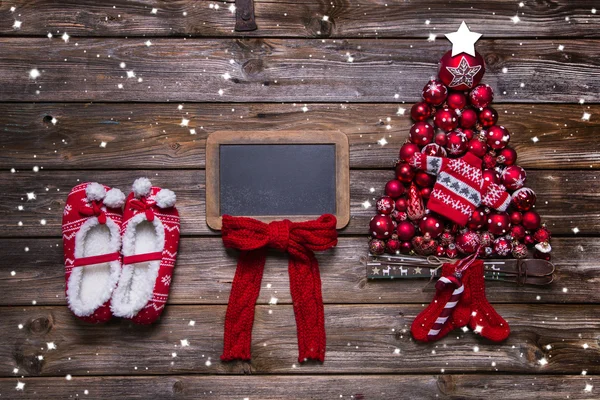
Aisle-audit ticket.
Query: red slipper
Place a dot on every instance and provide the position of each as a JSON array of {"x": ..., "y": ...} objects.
[
  {"x": 91, "y": 241},
  {"x": 150, "y": 235}
]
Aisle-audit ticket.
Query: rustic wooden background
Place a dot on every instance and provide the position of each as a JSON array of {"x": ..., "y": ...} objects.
[{"x": 347, "y": 65}]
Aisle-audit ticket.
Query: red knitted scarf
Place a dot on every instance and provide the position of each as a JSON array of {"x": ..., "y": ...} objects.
[{"x": 299, "y": 240}]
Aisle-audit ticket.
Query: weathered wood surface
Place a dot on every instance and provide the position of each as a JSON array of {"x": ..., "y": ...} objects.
[
  {"x": 305, "y": 18},
  {"x": 557, "y": 204},
  {"x": 292, "y": 70},
  {"x": 205, "y": 271},
  {"x": 305, "y": 387},
  {"x": 361, "y": 339},
  {"x": 151, "y": 135}
]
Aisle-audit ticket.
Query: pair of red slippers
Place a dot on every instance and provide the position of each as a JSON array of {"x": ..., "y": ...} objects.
[{"x": 119, "y": 261}]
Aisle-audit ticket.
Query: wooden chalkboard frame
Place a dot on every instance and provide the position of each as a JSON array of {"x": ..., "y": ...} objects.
[{"x": 342, "y": 168}]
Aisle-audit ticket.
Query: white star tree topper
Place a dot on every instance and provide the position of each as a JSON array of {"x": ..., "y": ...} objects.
[{"x": 463, "y": 40}]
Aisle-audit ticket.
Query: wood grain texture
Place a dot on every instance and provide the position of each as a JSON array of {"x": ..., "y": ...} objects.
[
  {"x": 305, "y": 387},
  {"x": 292, "y": 70},
  {"x": 357, "y": 18},
  {"x": 204, "y": 272},
  {"x": 151, "y": 135},
  {"x": 361, "y": 339},
  {"x": 559, "y": 208}
]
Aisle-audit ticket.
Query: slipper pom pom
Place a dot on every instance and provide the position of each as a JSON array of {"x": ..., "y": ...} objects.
[
  {"x": 114, "y": 198},
  {"x": 141, "y": 187},
  {"x": 95, "y": 191},
  {"x": 165, "y": 198}
]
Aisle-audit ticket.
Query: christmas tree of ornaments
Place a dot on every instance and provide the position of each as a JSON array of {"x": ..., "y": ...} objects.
[{"x": 458, "y": 188}]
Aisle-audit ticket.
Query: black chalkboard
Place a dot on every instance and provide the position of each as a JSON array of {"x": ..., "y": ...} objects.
[{"x": 277, "y": 179}]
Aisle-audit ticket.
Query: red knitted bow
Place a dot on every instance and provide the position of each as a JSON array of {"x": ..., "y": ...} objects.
[
  {"x": 94, "y": 210},
  {"x": 299, "y": 240},
  {"x": 143, "y": 206}
]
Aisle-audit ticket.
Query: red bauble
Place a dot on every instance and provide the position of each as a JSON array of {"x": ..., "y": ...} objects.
[
  {"x": 415, "y": 207},
  {"x": 469, "y": 133},
  {"x": 406, "y": 247},
  {"x": 489, "y": 161},
  {"x": 401, "y": 204},
  {"x": 468, "y": 118},
  {"x": 440, "y": 251},
  {"x": 446, "y": 238},
  {"x": 451, "y": 251},
  {"x": 425, "y": 192},
  {"x": 421, "y": 133},
  {"x": 381, "y": 226},
  {"x": 399, "y": 215},
  {"x": 406, "y": 230},
  {"x": 457, "y": 143},
  {"x": 528, "y": 239},
  {"x": 515, "y": 217},
  {"x": 420, "y": 111},
  {"x": 385, "y": 205},
  {"x": 517, "y": 232},
  {"x": 491, "y": 175},
  {"x": 542, "y": 235},
  {"x": 423, "y": 179},
  {"x": 433, "y": 149},
  {"x": 456, "y": 100},
  {"x": 523, "y": 199},
  {"x": 497, "y": 137},
  {"x": 407, "y": 150},
  {"x": 481, "y": 96},
  {"x": 519, "y": 250},
  {"x": 498, "y": 223},
  {"x": 513, "y": 177},
  {"x": 377, "y": 246},
  {"x": 507, "y": 156},
  {"x": 502, "y": 247},
  {"x": 435, "y": 92},
  {"x": 531, "y": 220},
  {"x": 478, "y": 219},
  {"x": 393, "y": 246},
  {"x": 488, "y": 117},
  {"x": 446, "y": 119},
  {"x": 441, "y": 138},
  {"x": 424, "y": 246},
  {"x": 404, "y": 172},
  {"x": 477, "y": 147},
  {"x": 486, "y": 239},
  {"x": 461, "y": 72},
  {"x": 394, "y": 188},
  {"x": 467, "y": 242},
  {"x": 432, "y": 226}
]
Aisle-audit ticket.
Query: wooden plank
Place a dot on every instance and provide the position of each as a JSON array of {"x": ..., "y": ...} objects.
[
  {"x": 361, "y": 339},
  {"x": 566, "y": 199},
  {"x": 305, "y": 18},
  {"x": 276, "y": 70},
  {"x": 151, "y": 135},
  {"x": 310, "y": 387},
  {"x": 32, "y": 270}
]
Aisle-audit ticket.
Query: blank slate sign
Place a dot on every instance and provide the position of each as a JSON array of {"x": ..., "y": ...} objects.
[{"x": 279, "y": 175}]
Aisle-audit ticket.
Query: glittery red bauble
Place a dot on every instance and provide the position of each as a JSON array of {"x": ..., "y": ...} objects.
[
  {"x": 421, "y": 133},
  {"x": 498, "y": 223},
  {"x": 457, "y": 143},
  {"x": 513, "y": 177},
  {"x": 381, "y": 226},
  {"x": 451, "y": 251},
  {"x": 542, "y": 256},
  {"x": 420, "y": 111},
  {"x": 446, "y": 238},
  {"x": 486, "y": 239},
  {"x": 488, "y": 117},
  {"x": 435, "y": 92},
  {"x": 523, "y": 199},
  {"x": 407, "y": 150},
  {"x": 432, "y": 226},
  {"x": 531, "y": 220},
  {"x": 469, "y": 133},
  {"x": 401, "y": 204},
  {"x": 392, "y": 246},
  {"x": 489, "y": 161},
  {"x": 528, "y": 239},
  {"x": 440, "y": 251},
  {"x": 424, "y": 246},
  {"x": 377, "y": 246},
  {"x": 446, "y": 119},
  {"x": 423, "y": 179},
  {"x": 399, "y": 215},
  {"x": 385, "y": 205},
  {"x": 456, "y": 100},
  {"x": 519, "y": 250},
  {"x": 477, "y": 147},
  {"x": 468, "y": 118},
  {"x": 425, "y": 192},
  {"x": 517, "y": 232},
  {"x": 433, "y": 149},
  {"x": 467, "y": 242},
  {"x": 491, "y": 175},
  {"x": 394, "y": 188},
  {"x": 497, "y": 137},
  {"x": 441, "y": 138},
  {"x": 481, "y": 96},
  {"x": 507, "y": 156},
  {"x": 502, "y": 247},
  {"x": 405, "y": 247},
  {"x": 406, "y": 230},
  {"x": 461, "y": 72},
  {"x": 542, "y": 235},
  {"x": 477, "y": 220},
  {"x": 404, "y": 172},
  {"x": 515, "y": 217}
]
